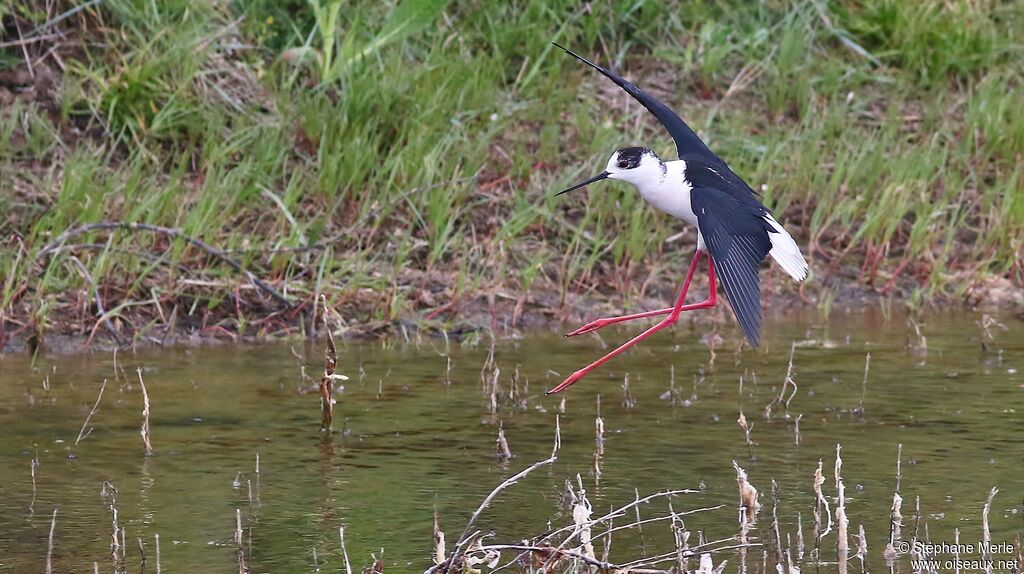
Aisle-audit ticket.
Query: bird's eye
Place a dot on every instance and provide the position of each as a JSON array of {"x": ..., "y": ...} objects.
[{"x": 623, "y": 164}]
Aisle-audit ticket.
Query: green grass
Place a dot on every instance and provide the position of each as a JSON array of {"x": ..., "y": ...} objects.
[{"x": 402, "y": 160}]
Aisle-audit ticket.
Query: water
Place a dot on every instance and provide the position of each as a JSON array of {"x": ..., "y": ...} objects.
[{"x": 408, "y": 444}]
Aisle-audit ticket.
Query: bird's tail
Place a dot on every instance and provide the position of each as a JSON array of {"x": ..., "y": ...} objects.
[{"x": 786, "y": 252}]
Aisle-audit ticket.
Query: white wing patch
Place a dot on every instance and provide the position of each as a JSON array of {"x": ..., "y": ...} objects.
[{"x": 786, "y": 252}]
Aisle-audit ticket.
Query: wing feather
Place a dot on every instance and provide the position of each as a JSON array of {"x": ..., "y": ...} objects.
[
  {"x": 736, "y": 234},
  {"x": 687, "y": 141}
]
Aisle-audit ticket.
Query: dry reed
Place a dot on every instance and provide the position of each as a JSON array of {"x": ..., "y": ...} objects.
[
  {"x": 895, "y": 514},
  {"x": 59, "y": 242},
  {"x": 859, "y": 410},
  {"x": 842, "y": 522},
  {"x": 144, "y": 430},
  {"x": 986, "y": 534},
  {"x": 327, "y": 381},
  {"x": 82, "y": 433},
  {"x": 776, "y": 537},
  {"x": 747, "y": 428},
  {"x": 820, "y": 503},
  {"x": 799, "y": 536},
  {"x": 142, "y": 555},
  {"x": 117, "y": 531},
  {"x": 748, "y": 496},
  {"x": 438, "y": 541},
  {"x": 344, "y": 552},
  {"x": 572, "y": 547},
  {"x": 239, "y": 546},
  {"x": 783, "y": 400},
  {"x": 862, "y": 548},
  {"x": 33, "y": 466},
  {"x": 49, "y": 543},
  {"x": 628, "y": 400},
  {"x": 504, "y": 453},
  {"x": 987, "y": 338},
  {"x": 468, "y": 535}
]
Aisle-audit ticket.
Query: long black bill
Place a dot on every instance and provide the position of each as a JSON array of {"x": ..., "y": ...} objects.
[{"x": 598, "y": 177}]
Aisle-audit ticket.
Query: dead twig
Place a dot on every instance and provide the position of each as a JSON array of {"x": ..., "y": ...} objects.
[
  {"x": 327, "y": 382},
  {"x": 82, "y": 433},
  {"x": 24, "y": 49},
  {"x": 549, "y": 552},
  {"x": 149, "y": 257},
  {"x": 32, "y": 468},
  {"x": 782, "y": 399},
  {"x": 623, "y": 509},
  {"x": 490, "y": 497},
  {"x": 49, "y": 544},
  {"x": 842, "y": 522},
  {"x": 170, "y": 232},
  {"x": 747, "y": 428},
  {"x": 467, "y": 535},
  {"x": 344, "y": 553},
  {"x": 504, "y": 453},
  {"x": 820, "y": 502},
  {"x": 986, "y": 534},
  {"x": 438, "y": 541},
  {"x": 64, "y": 16},
  {"x": 144, "y": 431},
  {"x": 26, "y": 41},
  {"x": 859, "y": 410},
  {"x": 239, "y": 547},
  {"x": 100, "y": 311},
  {"x": 895, "y": 514}
]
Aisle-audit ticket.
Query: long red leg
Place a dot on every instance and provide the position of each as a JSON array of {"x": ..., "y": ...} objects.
[
  {"x": 602, "y": 323},
  {"x": 673, "y": 316}
]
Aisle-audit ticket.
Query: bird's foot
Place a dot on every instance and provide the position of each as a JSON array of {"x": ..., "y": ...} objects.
[
  {"x": 592, "y": 326},
  {"x": 606, "y": 321},
  {"x": 569, "y": 381}
]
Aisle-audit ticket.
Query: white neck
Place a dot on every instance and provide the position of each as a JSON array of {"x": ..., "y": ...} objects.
[{"x": 664, "y": 186}]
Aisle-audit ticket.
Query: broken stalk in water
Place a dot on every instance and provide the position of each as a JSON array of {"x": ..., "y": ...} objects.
[
  {"x": 327, "y": 382},
  {"x": 82, "y": 433},
  {"x": 144, "y": 430}
]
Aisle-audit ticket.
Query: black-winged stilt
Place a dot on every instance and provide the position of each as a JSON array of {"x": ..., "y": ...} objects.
[{"x": 733, "y": 227}]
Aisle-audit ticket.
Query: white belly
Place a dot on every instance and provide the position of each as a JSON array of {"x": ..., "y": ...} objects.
[{"x": 670, "y": 193}]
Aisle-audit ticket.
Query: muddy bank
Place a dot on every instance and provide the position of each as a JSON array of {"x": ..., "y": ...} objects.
[{"x": 501, "y": 312}]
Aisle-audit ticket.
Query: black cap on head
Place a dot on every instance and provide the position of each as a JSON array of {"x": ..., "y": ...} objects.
[{"x": 629, "y": 157}]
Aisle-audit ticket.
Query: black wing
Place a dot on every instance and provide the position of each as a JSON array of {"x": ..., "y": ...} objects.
[
  {"x": 686, "y": 140},
  {"x": 736, "y": 235},
  {"x": 701, "y": 173}
]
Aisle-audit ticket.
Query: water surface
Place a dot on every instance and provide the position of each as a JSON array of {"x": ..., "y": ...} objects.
[{"x": 408, "y": 443}]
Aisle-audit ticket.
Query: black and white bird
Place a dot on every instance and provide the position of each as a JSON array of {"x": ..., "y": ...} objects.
[{"x": 733, "y": 227}]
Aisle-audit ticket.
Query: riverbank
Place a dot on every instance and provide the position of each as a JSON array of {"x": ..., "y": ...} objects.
[
  {"x": 411, "y": 185},
  {"x": 497, "y": 313}
]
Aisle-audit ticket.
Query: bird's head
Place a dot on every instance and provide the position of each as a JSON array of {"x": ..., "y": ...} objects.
[{"x": 635, "y": 165}]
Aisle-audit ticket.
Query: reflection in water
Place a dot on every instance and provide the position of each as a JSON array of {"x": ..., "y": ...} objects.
[
  {"x": 598, "y": 442},
  {"x": 926, "y": 409}
]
